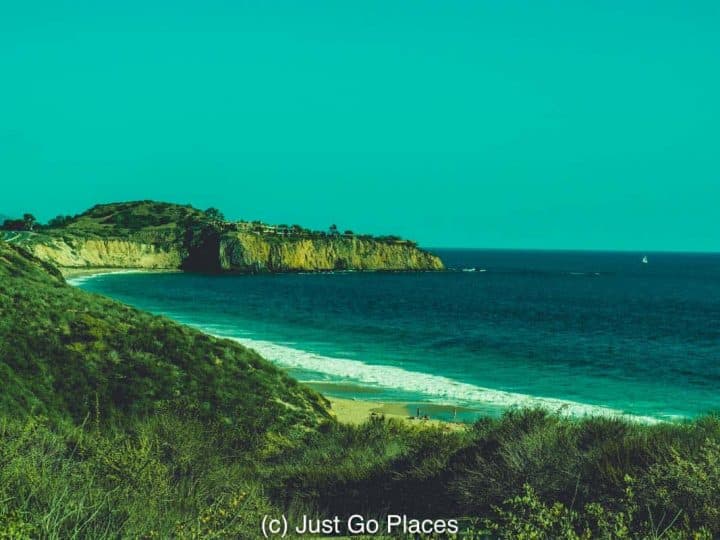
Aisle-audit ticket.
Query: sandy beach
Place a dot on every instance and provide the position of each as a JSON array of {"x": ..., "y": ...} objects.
[{"x": 351, "y": 411}]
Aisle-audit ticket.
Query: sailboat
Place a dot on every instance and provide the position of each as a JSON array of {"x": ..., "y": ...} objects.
[{"x": 644, "y": 259}]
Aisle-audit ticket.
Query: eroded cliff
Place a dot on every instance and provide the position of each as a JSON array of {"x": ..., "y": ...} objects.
[
  {"x": 250, "y": 252},
  {"x": 106, "y": 253},
  {"x": 153, "y": 235}
]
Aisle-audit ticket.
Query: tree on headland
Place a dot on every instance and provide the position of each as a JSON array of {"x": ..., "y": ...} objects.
[
  {"x": 333, "y": 230},
  {"x": 27, "y": 223},
  {"x": 214, "y": 214},
  {"x": 12, "y": 225},
  {"x": 59, "y": 221}
]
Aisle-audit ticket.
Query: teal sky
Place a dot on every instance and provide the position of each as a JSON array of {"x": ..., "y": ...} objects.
[{"x": 555, "y": 124}]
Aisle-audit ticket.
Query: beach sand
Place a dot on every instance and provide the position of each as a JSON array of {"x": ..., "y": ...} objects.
[{"x": 351, "y": 411}]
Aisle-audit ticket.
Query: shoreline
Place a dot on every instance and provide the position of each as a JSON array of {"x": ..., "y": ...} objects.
[
  {"x": 355, "y": 412},
  {"x": 83, "y": 272},
  {"x": 350, "y": 409}
]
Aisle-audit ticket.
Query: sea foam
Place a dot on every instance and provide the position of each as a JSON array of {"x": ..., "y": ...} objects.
[
  {"x": 436, "y": 388},
  {"x": 79, "y": 280}
]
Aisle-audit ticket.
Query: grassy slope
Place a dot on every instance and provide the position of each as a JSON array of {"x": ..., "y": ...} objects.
[
  {"x": 129, "y": 219},
  {"x": 116, "y": 423},
  {"x": 67, "y": 353}
]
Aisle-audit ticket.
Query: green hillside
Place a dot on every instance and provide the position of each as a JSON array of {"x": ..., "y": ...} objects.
[
  {"x": 118, "y": 424},
  {"x": 66, "y": 353},
  {"x": 141, "y": 221},
  {"x": 133, "y": 216}
]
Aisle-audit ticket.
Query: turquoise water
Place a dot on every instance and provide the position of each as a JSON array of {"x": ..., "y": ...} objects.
[{"x": 579, "y": 332}]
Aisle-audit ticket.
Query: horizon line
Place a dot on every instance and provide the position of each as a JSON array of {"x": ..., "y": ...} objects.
[{"x": 577, "y": 250}]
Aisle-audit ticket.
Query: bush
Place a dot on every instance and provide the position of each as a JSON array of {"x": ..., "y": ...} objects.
[
  {"x": 115, "y": 423},
  {"x": 687, "y": 485}
]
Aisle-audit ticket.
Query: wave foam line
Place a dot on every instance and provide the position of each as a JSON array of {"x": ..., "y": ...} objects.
[
  {"x": 78, "y": 280},
  {"x": 437, "y": 387}
]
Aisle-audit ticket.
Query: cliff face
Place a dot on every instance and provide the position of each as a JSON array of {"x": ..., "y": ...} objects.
[
  {"x": 106, "y": 252},
  {"x": 248, "y": 252},
  {"x": 147, "y": 234},
  {"x": 235, "y": 252}
]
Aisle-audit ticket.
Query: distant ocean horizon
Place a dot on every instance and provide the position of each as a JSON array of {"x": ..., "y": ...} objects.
[{"x": 579, "y": 332}]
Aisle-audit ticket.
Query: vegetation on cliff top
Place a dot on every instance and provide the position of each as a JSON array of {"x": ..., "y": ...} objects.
[
  {"x": 191, "y": 239},
  {"x": 128, "y": 218},
  {"x": 115, "y": 423}
]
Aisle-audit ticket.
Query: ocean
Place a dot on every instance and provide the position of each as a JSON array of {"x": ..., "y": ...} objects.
[{"x": 576, "y": 332}]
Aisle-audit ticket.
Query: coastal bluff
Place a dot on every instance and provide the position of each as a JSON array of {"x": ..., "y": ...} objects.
[
  {"x": 153, "y": 235},
  {"x": 247, "y": 252},
  {"x": 75, "y": 252}
]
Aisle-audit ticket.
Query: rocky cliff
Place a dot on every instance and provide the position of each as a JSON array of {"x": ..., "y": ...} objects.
[
  {"x": 106, "y": 252},
  {"x": 154, "y": 235},
  {"x": 249, "y": 252}
]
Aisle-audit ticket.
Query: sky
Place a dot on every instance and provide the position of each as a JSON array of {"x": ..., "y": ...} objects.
[{"x": 500, "y": 124}]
